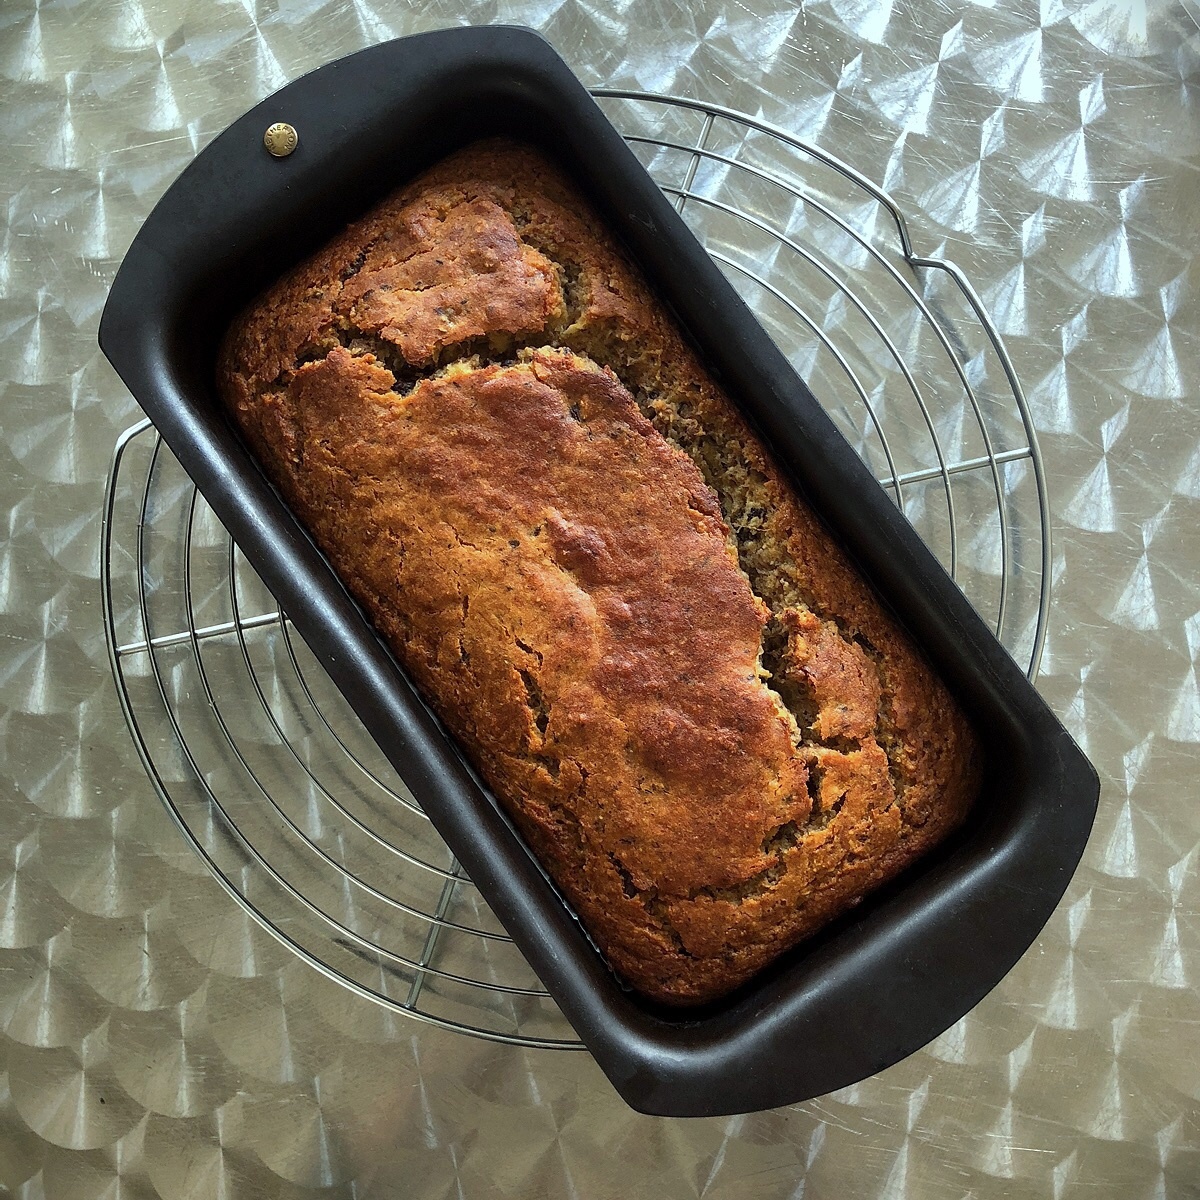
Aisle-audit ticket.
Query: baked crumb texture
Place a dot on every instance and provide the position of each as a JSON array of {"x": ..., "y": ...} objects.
[{"x": 695, "y": 710}]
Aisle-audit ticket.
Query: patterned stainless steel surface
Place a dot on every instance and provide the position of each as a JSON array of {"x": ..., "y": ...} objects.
[
  {"x": 156, "y": 1042},
  {"x": 280, "y": 790}
]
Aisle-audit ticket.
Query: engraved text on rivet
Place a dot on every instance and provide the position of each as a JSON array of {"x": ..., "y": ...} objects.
[{"x": 280, "y": 139}]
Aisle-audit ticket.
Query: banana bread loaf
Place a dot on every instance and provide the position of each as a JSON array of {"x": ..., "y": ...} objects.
[{"x": 697, "y": 713}]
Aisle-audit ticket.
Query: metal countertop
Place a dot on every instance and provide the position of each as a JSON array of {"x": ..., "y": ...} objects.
[{"x": 157, "y": 1043}]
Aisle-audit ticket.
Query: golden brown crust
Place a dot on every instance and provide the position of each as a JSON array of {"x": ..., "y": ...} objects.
[{"x": 699, "y": 715}]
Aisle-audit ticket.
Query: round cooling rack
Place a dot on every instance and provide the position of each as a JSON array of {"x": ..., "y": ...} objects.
[{"x": 270, "y": 775}]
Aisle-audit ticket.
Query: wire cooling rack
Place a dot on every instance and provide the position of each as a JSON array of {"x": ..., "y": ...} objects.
[{"x": 270, "y": 775}]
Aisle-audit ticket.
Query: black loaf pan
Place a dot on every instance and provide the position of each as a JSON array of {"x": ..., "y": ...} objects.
[{"x": 906, "y": 963}]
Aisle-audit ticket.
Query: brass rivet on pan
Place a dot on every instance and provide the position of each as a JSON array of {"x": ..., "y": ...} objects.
[{"x": 280, "y": 139}]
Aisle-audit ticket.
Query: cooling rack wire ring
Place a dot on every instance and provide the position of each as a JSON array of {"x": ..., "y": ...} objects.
[{"x": 415, "y": 979}]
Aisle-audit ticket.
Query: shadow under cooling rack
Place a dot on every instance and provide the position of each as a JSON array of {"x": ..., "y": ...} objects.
[{"x": 264, "y": 766}]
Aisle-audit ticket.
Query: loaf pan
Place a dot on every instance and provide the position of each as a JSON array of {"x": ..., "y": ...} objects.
[{"x": 912, "y": 958}]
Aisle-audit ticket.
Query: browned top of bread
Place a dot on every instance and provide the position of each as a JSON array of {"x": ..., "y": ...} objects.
[{"x": 699, "y": 715}]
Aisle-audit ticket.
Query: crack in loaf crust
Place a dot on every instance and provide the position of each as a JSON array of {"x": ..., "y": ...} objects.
[{"x": 698, "y": 714}]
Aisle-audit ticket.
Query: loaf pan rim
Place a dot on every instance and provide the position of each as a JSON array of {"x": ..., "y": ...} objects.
[{"x": 752, "y": 1054}]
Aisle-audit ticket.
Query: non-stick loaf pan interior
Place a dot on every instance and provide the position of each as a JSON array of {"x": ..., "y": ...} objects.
[{"x": 909, "y": 960}]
